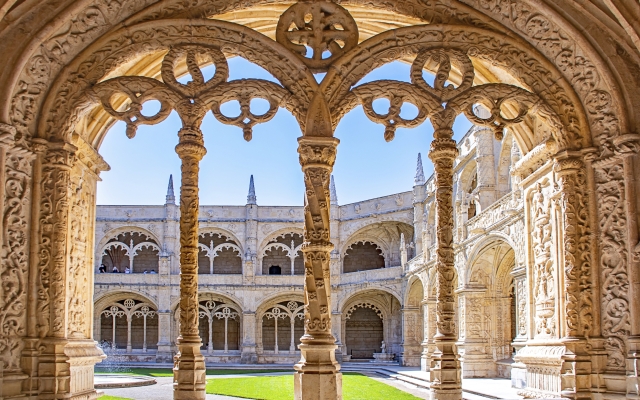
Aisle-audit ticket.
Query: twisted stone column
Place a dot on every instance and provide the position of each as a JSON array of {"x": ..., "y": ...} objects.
[
  {"x": 446, "y": 382},
  {"x": 317, "y": 375},
  {"x": 189, "y": 366}
]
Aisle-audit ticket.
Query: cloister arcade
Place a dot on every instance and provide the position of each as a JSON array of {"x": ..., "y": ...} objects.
[{"x": 531, "y": 218}]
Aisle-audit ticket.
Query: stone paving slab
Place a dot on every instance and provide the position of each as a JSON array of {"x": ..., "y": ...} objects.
[{"x": 163, "y": 390}]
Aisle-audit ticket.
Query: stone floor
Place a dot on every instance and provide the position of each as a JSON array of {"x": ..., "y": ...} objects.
[{"x": 474, "y": 389}]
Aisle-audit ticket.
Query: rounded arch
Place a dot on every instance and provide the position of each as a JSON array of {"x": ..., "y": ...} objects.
[
  {"x": 209, "y": 294},
  {"x": 347, "y": 300},
  {"x": 72, "y": 100},
  {"x": 115, "y": 232},
  {"x": 503, "y": 254},
  {"x": 103, "y": 300},
  {"x": 530, "y": 69},
  {"x": 410, "y": 291},
  {"x": 271, "y": 236},
  {"x": 270, "y": 300},
  {"x": 221, "y": 232}
]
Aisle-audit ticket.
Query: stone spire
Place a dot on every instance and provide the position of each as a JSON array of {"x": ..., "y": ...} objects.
[
  {"x": 419, "y": 179},
  {"x": 332, "y": 190},
  {"x": 251, "y": 197},
  {"x": 171, "y": 198}
]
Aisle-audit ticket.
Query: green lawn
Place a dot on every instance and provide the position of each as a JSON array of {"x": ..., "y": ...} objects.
[
  {"x": 164, "y": 372},
  {"x": 354, "y": 387},
  {"x": 105, "y": 397}
]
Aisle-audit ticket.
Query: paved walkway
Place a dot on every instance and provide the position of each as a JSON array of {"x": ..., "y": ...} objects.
[
  {"x": 474, "y": 388},
  {"x": 163, "y": 390}
]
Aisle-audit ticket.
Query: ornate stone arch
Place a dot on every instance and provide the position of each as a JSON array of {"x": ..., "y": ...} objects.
[
  {"x": 76, "y": 98},
  {"x": 413, "y": 280},
  {"x": 273, "y": 235},
  {"x": 486, "y": 243},
  {"x": 110, "y": 297},
  {"x": 113, "y": 233},
  {"x": 221, "y": 232}
]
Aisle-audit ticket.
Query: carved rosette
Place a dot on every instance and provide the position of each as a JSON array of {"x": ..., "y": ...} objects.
[
  {"x": 578, "y": 282},
  {"x": 317, "y": 156},
  {"x": 443, "y": 153}
]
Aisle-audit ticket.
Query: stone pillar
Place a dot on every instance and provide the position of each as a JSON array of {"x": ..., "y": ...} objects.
[
  {"x": 429, "y": 310},
  {"x": 163, "y": 354},
  {"x": 477, "y": 359},
  {"x": 411, "y": 348},
  {"x": 317, "y": 375},
  {"x": 520, "y": 283},
  {"x": 189, "y": 364},
  {"x": 446, "y": 381},
  {"x": 627, "y": 147},
  {"x": 67, "y": 197},
  {"x": 249, "y": 355},
  {"x": 486, "y": 168},
  {"x": 251, "y": 242},
  {"x": 577, "y": 302}
]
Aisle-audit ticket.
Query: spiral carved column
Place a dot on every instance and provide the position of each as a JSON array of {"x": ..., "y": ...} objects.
[
  {"x": 189, "y": 369},
  {"x": 317, "y": 375},
  {"x": 446, "y": 380}
]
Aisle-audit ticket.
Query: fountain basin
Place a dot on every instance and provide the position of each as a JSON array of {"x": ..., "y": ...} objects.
[{"x": 111, "y": 381}]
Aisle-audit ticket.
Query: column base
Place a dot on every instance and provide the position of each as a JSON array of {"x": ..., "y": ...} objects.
[
  {"x": 445, "y": 372},
  {"x": 317, "y": 375},
  {"x": 164, "y": 353},
  {"x": 189, "y": 370},
  {"x": 633, "y": 368},
  {"x": 65, "y": 368},
  {"x": 248, "y": 355}
]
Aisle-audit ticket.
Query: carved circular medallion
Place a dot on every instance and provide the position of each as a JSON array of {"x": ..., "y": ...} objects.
[{"x": 318, "y": 33}]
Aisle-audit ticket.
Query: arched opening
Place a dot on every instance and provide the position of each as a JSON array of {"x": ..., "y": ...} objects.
[
  {"x": 218, "y": 254},
  {"x": 219, "y": 326},
  {"x": 282, "y": 255},
  {"x": 129, "y": 325},
  {"x": 363, "y": 256},
  {"x": 281, "y": 326},
  {"x": 130, "y": 252},
  {"x": 487, "y": 308},
  {"x": 363, "y": 334}
]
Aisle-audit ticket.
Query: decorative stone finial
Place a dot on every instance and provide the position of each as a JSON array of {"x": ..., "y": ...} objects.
[
  {"x": 419, "y": 179},
  {"x": 251, "y": 197},
  {"x": 332, "y": 190},
  {"x": 171, "y": 198}
]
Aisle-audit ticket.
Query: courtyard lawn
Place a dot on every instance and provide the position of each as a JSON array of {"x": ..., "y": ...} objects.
[
  {"x": 354, "y": 387},
  {"x": 167, "y": 372},
  {"x": 105, "y": 397}
]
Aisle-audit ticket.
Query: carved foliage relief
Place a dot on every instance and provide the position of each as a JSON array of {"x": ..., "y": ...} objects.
[
  {"x": 14, "y": 267},
  {"x": 544, "y": 269},
  {"x": 614, "y": 263}
]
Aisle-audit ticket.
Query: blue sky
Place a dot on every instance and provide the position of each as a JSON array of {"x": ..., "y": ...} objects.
[{"x": 366, "y": 166}]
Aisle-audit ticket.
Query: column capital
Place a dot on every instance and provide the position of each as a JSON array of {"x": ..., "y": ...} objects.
[
  {"x": 317, "y": 152},
  {"x": 191, "y": 150},
  {"x": 443, "y": 148},
  {"x": 568, "y": 162}
]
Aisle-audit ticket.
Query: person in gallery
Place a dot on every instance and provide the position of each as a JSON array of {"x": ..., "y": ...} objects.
[
  {"x": 153, "y": 271},
  {"x": 127, "y": 270},
  {"x": 115, "y": 270}
]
